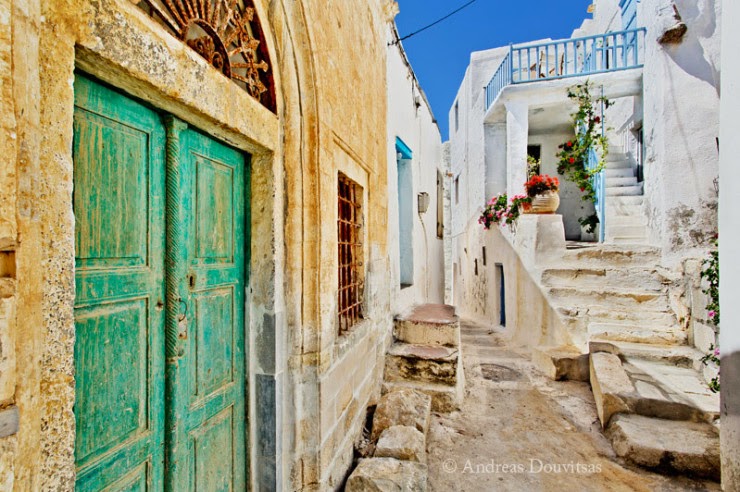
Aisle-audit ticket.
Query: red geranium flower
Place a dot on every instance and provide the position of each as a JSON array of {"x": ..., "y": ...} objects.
[{"x": 571, "y": 160}]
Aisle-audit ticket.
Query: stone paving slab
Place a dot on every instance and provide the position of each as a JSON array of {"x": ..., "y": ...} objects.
[
  {"x": 533, "y": 423},
  {"x": 667, "y": 445}
]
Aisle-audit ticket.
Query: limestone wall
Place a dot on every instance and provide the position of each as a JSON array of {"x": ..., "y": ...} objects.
[
  {"x": 308, "y": 387},
  {"x": 410, "y": 118},
  {"x": 8, "y": 238}
]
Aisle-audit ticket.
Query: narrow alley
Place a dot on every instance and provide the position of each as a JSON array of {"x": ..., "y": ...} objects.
[{"x": 519, "y": 430}]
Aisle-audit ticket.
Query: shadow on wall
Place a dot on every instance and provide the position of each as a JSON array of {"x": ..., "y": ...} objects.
[{"x": 689, "y": 53}]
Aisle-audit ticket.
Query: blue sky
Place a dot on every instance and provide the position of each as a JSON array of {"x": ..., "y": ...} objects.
[{"x": 440, "y": 54}]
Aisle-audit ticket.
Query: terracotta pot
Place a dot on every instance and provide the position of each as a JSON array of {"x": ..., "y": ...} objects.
[
  {"x": 545, "y": 203},
  {"x": 526, "y": 208}
]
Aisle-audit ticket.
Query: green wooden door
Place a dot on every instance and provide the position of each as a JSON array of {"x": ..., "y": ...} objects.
[
  {"x": 160, "y": 276},
  {"x": 205, "y": 366},
  {"x": 119, "y": 243}
]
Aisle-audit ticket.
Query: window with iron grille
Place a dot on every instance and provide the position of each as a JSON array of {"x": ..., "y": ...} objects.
[{"x": 351, "y": 272}]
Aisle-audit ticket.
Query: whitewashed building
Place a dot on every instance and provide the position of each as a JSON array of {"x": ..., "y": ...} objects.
[
  {"x": 416, "y": 184},
  {"x": 634, "y": 291}
]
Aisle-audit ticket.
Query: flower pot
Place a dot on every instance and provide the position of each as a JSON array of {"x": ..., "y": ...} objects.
[{"x": 545, "y": 203}]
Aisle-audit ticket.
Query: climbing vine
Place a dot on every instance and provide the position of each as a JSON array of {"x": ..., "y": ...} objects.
[
  {"x": 573, "y": 156},
  {"x": 710, "y": 273}
]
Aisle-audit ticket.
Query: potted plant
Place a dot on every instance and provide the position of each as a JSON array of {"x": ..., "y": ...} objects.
[{"x": 543, "y": 193}]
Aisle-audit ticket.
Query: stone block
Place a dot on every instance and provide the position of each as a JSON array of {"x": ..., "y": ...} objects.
[
  {"x": 407, "y": 362},
  {"x": 8, "y": 421},
  {"x": 402, "y": 443},
  {"x": 667, "y": 445},
  {"x": 561, "y": 363},
  {"x": 540, "y": 239},
  {"x": 403, "y": 406},
  {"x": 445, "y": 398},
  {"x": 447, "y": 334},
  {"x": 429, "y": 324},
  {"x": 610, "y": 385},
  {"x": 388, "y": 475}
]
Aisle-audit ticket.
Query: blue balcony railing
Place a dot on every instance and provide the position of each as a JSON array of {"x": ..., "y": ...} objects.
[{"x": 573, "y": 57}]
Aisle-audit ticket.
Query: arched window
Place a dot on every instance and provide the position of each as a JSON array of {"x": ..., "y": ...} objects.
[{"x": 227, "y": 33}]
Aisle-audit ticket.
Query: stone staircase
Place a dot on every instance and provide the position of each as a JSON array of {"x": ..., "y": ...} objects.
[
  {"x": 425, "y": 355},
  {"x": 626, "y": 222},
  {"x": 651, "y": 396}
]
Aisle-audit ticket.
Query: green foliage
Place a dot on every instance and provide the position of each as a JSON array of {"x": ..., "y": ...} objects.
[
  {"x": 533, "y": 166},
  {"x": 712, "y": 357},
  {"x": 573, "y": 156},
  {"x": 710, "y": 273},
  {"x": 589, "y": 222}
]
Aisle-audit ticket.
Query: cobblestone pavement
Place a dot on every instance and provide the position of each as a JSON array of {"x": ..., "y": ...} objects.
[{"x": 519, "y": 431}]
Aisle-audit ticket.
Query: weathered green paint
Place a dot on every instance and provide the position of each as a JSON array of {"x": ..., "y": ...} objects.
[
  {"x": 119, "y": 350},
  {"x": 206, "y": 407},
  {"x": 160, "y": 351}
]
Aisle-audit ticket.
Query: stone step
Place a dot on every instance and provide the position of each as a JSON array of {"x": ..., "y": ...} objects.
[
  {"x": 618, "y": 172},
  {"x": 619, "y": 210},
  {"x": 638, "y": 219},
  {"x": 634, "y": 190},
  {"x": 402, "y": 406},
  {"x": 387, "y": 474},
  {"x": 428, "y": 324},
  {"x": 667, "y": 446},
  {"x": 627, "y": 240},
  {"x": 616, "y": 157},
  {"x": 615, "y": 201},
  {"x": 626, "y": 388},
  {"x": 422, "y": 363},
  {"x": 637, "y": 333},
  {"x": 625, "y": 231},
  {"x": 444, "y": 398},
  {"x": 610, "y": 385},
  {"x": 600, "y": 314},
  {"x": 656, "y": 379},
  {"x": 595, "y": 278},
  {"x": 616, "y": 182},
  {"x": 639, "y": 278},
  {"x": 622, "y": 164},
  {"x": 561, "y": 363},
  {"x": 683, "y": 356},
  {"x": 609, "y": 299},
  {"x": 611, "y": 256}
]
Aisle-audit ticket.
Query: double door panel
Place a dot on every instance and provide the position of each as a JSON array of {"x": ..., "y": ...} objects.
[{"x": 157, "y": 408}]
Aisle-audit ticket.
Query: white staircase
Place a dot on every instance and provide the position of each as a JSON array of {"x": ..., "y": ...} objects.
[
  {"x": 625, "y": 219},
  {"x": 647, "y": 379}
]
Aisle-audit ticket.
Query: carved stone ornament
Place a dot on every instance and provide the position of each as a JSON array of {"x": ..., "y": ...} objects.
[{"x": 227, "y": 33}]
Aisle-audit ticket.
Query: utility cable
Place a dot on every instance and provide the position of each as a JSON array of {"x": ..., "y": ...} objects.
[{"x": 435, "y": 22}]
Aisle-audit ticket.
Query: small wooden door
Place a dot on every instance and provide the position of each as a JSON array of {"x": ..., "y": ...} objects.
[
  {"x": 159, "y": 309},
  {"x": 206, "y": 428},
  {"x": 119, "y": 245}
]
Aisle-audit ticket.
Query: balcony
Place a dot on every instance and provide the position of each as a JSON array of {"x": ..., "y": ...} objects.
[{"x": 575, "y": 57}]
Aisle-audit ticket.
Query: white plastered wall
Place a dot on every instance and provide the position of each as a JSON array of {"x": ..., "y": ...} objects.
[{"x": 410, "y": 118}]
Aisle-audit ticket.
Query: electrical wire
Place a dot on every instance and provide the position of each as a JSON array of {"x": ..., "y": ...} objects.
[{"x": 436, "y": 22}]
